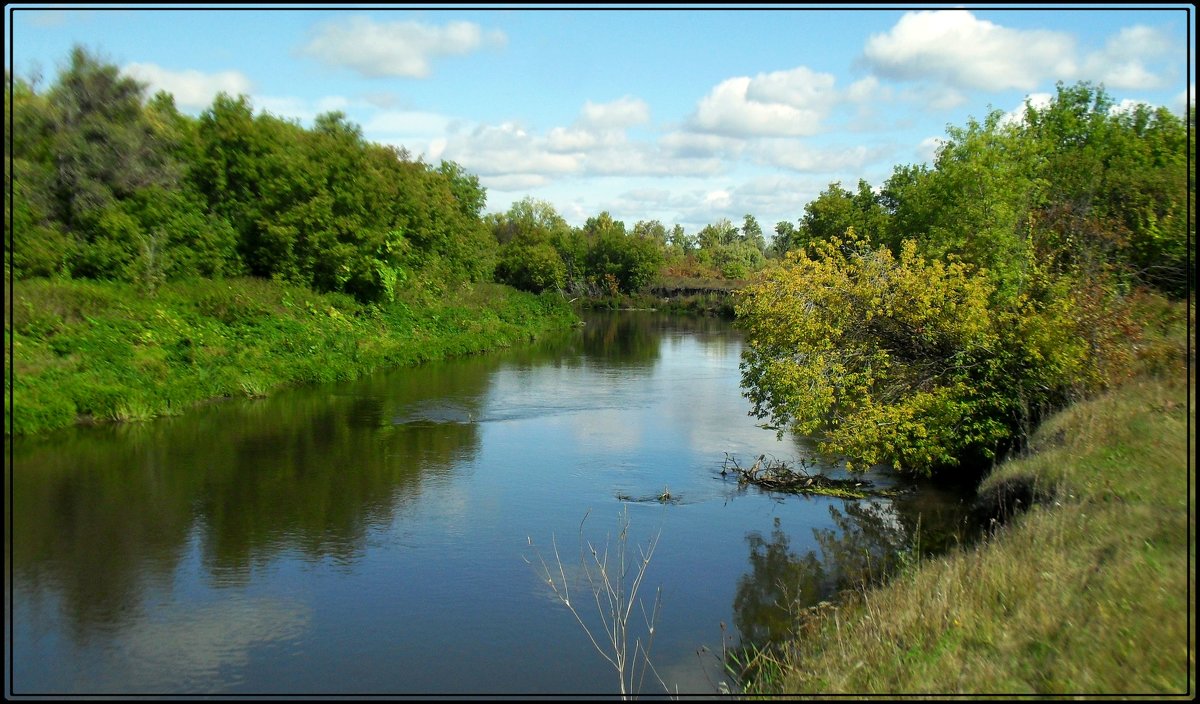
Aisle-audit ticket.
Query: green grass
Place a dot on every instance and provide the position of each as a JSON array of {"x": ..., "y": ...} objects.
[
  {"x": 1086, "y": 592},
  {"x": 86, "y": 350}
]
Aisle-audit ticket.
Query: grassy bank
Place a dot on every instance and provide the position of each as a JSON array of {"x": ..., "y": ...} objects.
[
  {"x": 1087, "y": 591},
  {"x": 105, "y": 351}
]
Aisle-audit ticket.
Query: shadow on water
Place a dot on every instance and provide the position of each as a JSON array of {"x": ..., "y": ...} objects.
[
  {"x": 869, "y": 542},
  {"x": 309, "y": 471}
]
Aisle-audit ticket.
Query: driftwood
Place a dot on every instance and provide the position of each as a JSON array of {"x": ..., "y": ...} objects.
[{"x": 776, "y": 475}]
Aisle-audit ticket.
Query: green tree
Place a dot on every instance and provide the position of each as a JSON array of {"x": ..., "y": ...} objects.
[
  {"x": 871, "y": 353},
  {"x": 617, "y": 260},
  {"x": 752, "y": 233},
  {"x": 784, "y": 240}
]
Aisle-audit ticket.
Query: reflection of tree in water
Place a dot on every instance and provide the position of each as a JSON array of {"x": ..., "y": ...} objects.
[
  {"x": 104, "y": 513},
  {"x": 94, "y": 521},
  {"x": 622, "y": 339},
  {"x": 864, "y": 547}
]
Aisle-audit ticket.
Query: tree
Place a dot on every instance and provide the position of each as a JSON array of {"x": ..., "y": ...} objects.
[
  {"x": 784, "y": 240},
  {"x": 722, "y": 232},
  {"x": 1116, "y": 186},
  {"x": 752, "y": 233},
  {"x": 615, "y": 259},
  {"x": 468, "y": 192},
  {"x": 652, "y": 230},
  {"x": 529, "y": 232},
  {"x": 871, "y": 354},
  {"x": 680, "y": 243}
]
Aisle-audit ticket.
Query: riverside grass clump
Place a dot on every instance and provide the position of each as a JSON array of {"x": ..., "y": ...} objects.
[
  {"x": 1087, "y": 591},
  {"x": 107, "y": 351}
]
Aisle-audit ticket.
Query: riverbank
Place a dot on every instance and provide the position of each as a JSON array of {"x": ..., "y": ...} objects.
[
  {"x": 675, "y": 295},
  {"x": 86, "y": 351},
  {"x": 1084, "y": 589}
]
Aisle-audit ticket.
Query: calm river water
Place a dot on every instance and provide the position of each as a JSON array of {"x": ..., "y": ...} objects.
[{"x": 375, "y": 537}]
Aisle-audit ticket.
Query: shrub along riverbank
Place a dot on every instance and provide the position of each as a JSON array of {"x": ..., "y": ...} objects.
[
  {"x": 105, "y": 351},
  {"x": 1086, "y": 591}
]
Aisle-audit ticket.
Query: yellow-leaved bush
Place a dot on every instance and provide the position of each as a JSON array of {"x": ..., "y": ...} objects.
[{"x": 901, "y": 360}]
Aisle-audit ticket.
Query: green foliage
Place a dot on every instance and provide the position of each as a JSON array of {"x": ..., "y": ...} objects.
[
  {"x": 109, "y": 185},
  {"x": 531, "y": 267},
  {"x": 870, "y": 352},
  {"x": 86, "y": 348},
  {"x": 999, "y": 289},
  {"x": 616, "y": 260},
  {"x": 1117, "y": 187}
]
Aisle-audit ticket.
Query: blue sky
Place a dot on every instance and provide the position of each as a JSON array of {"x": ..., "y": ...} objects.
[{"x": 681, "y": 115}]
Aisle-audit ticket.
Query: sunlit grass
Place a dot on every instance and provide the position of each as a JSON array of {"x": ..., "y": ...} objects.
[{"x": 107, "y": 352}]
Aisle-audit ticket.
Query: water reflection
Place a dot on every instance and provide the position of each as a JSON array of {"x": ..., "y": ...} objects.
[
  {"x": 866, "y": 543},
  {"x": 366, "y": 537},
  {"x": 308, "y": 471},
  {"x": 625, "y": 342}
]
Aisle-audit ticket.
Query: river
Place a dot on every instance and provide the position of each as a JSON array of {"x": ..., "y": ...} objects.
[{"x": 386, "y": 536}]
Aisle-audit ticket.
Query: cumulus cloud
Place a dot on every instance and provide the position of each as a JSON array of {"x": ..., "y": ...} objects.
[
  {"x": 1123, "y": 61},
  {"x": 798, "y": 156},
  {"x": 400, "y": 49},
  {"x": 507, "y": 150},
  {"x": 954, "y": 50},
  {"x": 595, "y": 144},
  {"x": 800, "y": 87},
  {"x": 867, "y": 90},
  {"x": 928, "y": 148},
  {"x": 192, "y": 89},
  {"x": 685, "y": 144},
  {"x": 783, "y": 103},
  {"x": 955, "y": 47},
  {"x": 622, "y": 113},
  {"x": 1017, "y": 114}
]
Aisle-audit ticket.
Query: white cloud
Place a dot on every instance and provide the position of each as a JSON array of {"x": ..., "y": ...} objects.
[
  {"x": 404, "y": 49},
  {"x": 517, "y": 184},
  {"x": 928, "y": 148},
  {"x": 718, "y": 200},
  {"x": 1017, "y": 114},
  {"x": 636, "y": 159},
  {"x": 797, "y": 156},
  {"x": 784, "y": 103},
  {"x": 800, "y": 88},
  {"x": 619, "y": 114},
  {"x": 867, "y": 90},
  {"x": 566, "y": 139},
  {"x": 182, "y": 650},
  {"x": 1123, "y": 61},
  {"x": 699, "y": 145},
  {"x": 192, "y": 89},
  {"x": 956, "y": 48},
  {"x": 508, "y": 150},
  {"x": 595, "y": 144},
  {"x": 931, "y": 96},
  {"x": 1129, "y": 105}
]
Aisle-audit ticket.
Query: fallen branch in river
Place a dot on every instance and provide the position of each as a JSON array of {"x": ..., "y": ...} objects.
[{"x": 776, "y": 475}]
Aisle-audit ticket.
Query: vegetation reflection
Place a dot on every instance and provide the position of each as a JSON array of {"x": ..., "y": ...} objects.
[{"x": 308, "y": 471}]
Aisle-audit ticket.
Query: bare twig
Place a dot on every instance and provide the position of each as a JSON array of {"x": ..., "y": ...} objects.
[{"x": 614, "y": 595}]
